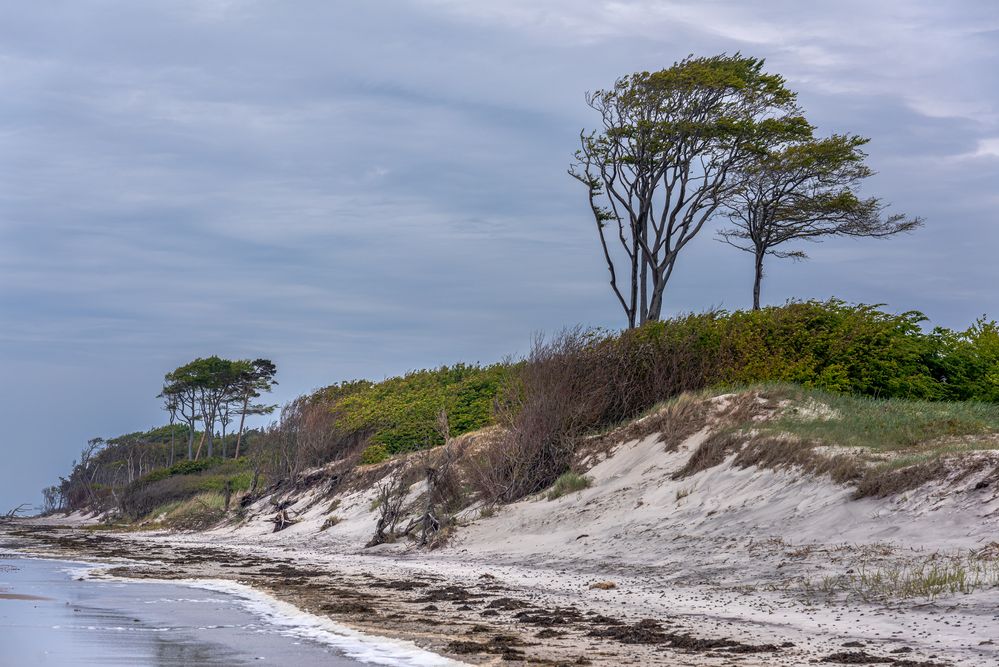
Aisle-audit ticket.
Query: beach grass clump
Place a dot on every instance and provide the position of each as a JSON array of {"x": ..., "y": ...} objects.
[
  {"x": 374, "y": 454},
  {"x": 568, "y": 482},
  {"x": 938, "y": 575}
]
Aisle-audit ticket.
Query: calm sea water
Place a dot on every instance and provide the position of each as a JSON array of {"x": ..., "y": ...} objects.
[{"x": 91, "y": 622}]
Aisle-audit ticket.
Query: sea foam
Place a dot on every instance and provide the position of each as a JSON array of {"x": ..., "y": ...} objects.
[{"x": 292, "y": 621}]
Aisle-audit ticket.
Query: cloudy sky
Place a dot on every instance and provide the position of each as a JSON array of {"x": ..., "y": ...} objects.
[{"x": 356, "y": 189}]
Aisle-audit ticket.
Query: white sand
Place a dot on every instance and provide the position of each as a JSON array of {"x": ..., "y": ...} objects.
[{"x": 722, "y": 552}]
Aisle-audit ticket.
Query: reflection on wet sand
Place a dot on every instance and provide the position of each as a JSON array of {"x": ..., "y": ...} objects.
[{"x": 50, "y": 617}]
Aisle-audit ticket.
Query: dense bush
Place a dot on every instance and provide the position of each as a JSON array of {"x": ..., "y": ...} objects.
[
  {"x": 580, "y": 382},
  {"x": 968, "y": 362},
  {"x": 832, "y": 345},
  {"x": 182, "y": 468},
  {"x": 401, "y": 412}
]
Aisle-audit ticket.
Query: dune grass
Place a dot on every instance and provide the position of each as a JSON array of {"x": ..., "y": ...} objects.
[
  {"x": 568, "y": 482},
  {"x": 886, "y": 425},
  {"x": 935, "y": 576},
  {"x": 198, "y": 511}
]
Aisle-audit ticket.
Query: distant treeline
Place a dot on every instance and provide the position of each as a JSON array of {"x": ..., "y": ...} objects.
[{"x": 571, "y": 385}]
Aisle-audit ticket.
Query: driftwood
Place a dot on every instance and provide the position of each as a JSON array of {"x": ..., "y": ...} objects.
[
  {"x": 282, "y": 520},
  {"x": 390, "y": 498},
  {"x": 438, "y": 484},
  {"x": 439, "y": 494},
  {"x": 16, "y": 512}
]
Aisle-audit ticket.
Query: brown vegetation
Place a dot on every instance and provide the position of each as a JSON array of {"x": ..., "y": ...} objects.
[
  {"x": 573, "y": 384},
  {"x": 883, "y": 482}
]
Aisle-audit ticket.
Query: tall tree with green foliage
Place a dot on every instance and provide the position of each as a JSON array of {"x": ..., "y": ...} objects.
[
  {"x": 203, "y": 384},
  {"x": 210, "y": 389},
  {"x": 255, "y": 378},
  {"x": 804, "y": 190},
  {"x": 180, "y": 397},
  {"x": 664, "y": 158}
]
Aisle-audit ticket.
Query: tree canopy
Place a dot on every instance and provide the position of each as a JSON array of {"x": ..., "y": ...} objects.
[
  {"x": 805, "y": 189},
  {"x": 664, "y": 160},
  {"x": 211, "y": 389}
]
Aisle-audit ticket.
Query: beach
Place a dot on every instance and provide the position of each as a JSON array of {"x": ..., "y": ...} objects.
[{"x": 52, "y": 612}]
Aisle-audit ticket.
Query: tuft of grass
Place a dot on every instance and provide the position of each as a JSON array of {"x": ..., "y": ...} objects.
[
  {"x": 712, "y": 452},
  {"x": 936, "y": 576},
  {"x": 568, "y": 482},
  {"x": 373, "y": 454},
  {"x": 891, "y": 480}
]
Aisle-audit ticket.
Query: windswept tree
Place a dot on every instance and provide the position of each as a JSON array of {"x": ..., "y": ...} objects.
[
  {"x": 804, "y": 190},
  {"x": 172, "y": 406},
  {"x": 78, "y": 489},
  {"x": 213, "y": 389},
  {"x": 180, "y": 397},
  {"x": 52, "y": 499},
  {"x": 255, "y": 378},
  {"x": 664, "y": 159}
]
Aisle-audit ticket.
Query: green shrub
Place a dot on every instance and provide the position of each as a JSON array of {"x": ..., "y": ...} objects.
[
  {"x": 831, "y": 345},
  {"x": 237, "y": 483},
  {"x": 183, "y": 468},
  {"x": 401, "y": 412},
  {"x": 968, "y": 361},
  {"x": 568, "y": 482},
  {"x": 184, "y": 481},
  {"x": 374, "y": 454},
  {"x": 580, "y": 382}
]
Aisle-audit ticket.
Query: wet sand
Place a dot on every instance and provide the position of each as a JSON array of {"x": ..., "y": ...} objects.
[{"x": 50, "y": 614}]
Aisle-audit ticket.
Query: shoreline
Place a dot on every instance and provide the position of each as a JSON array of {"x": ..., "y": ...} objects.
[
  {"x": 292, "y": 620},
  {"x": 477, "y": 612}
]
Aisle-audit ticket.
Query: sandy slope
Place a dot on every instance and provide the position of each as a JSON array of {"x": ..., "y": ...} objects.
[{"x": 742, "y": 554}]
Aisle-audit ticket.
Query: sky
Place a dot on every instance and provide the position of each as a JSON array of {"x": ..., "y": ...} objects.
[{"x": 358, "y": 189}]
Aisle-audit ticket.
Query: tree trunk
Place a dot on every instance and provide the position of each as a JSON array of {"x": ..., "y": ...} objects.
[
  {"x": 209, "y": 433},
  {"x": 656, "y": 304},
  {"x": 190, "y": 442},
  {"x": 758, "y": 280},
  {"x": 637, "y": 282},
  {"x": 242, "y": 419},
  {"x": 197, "y": 455}
]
